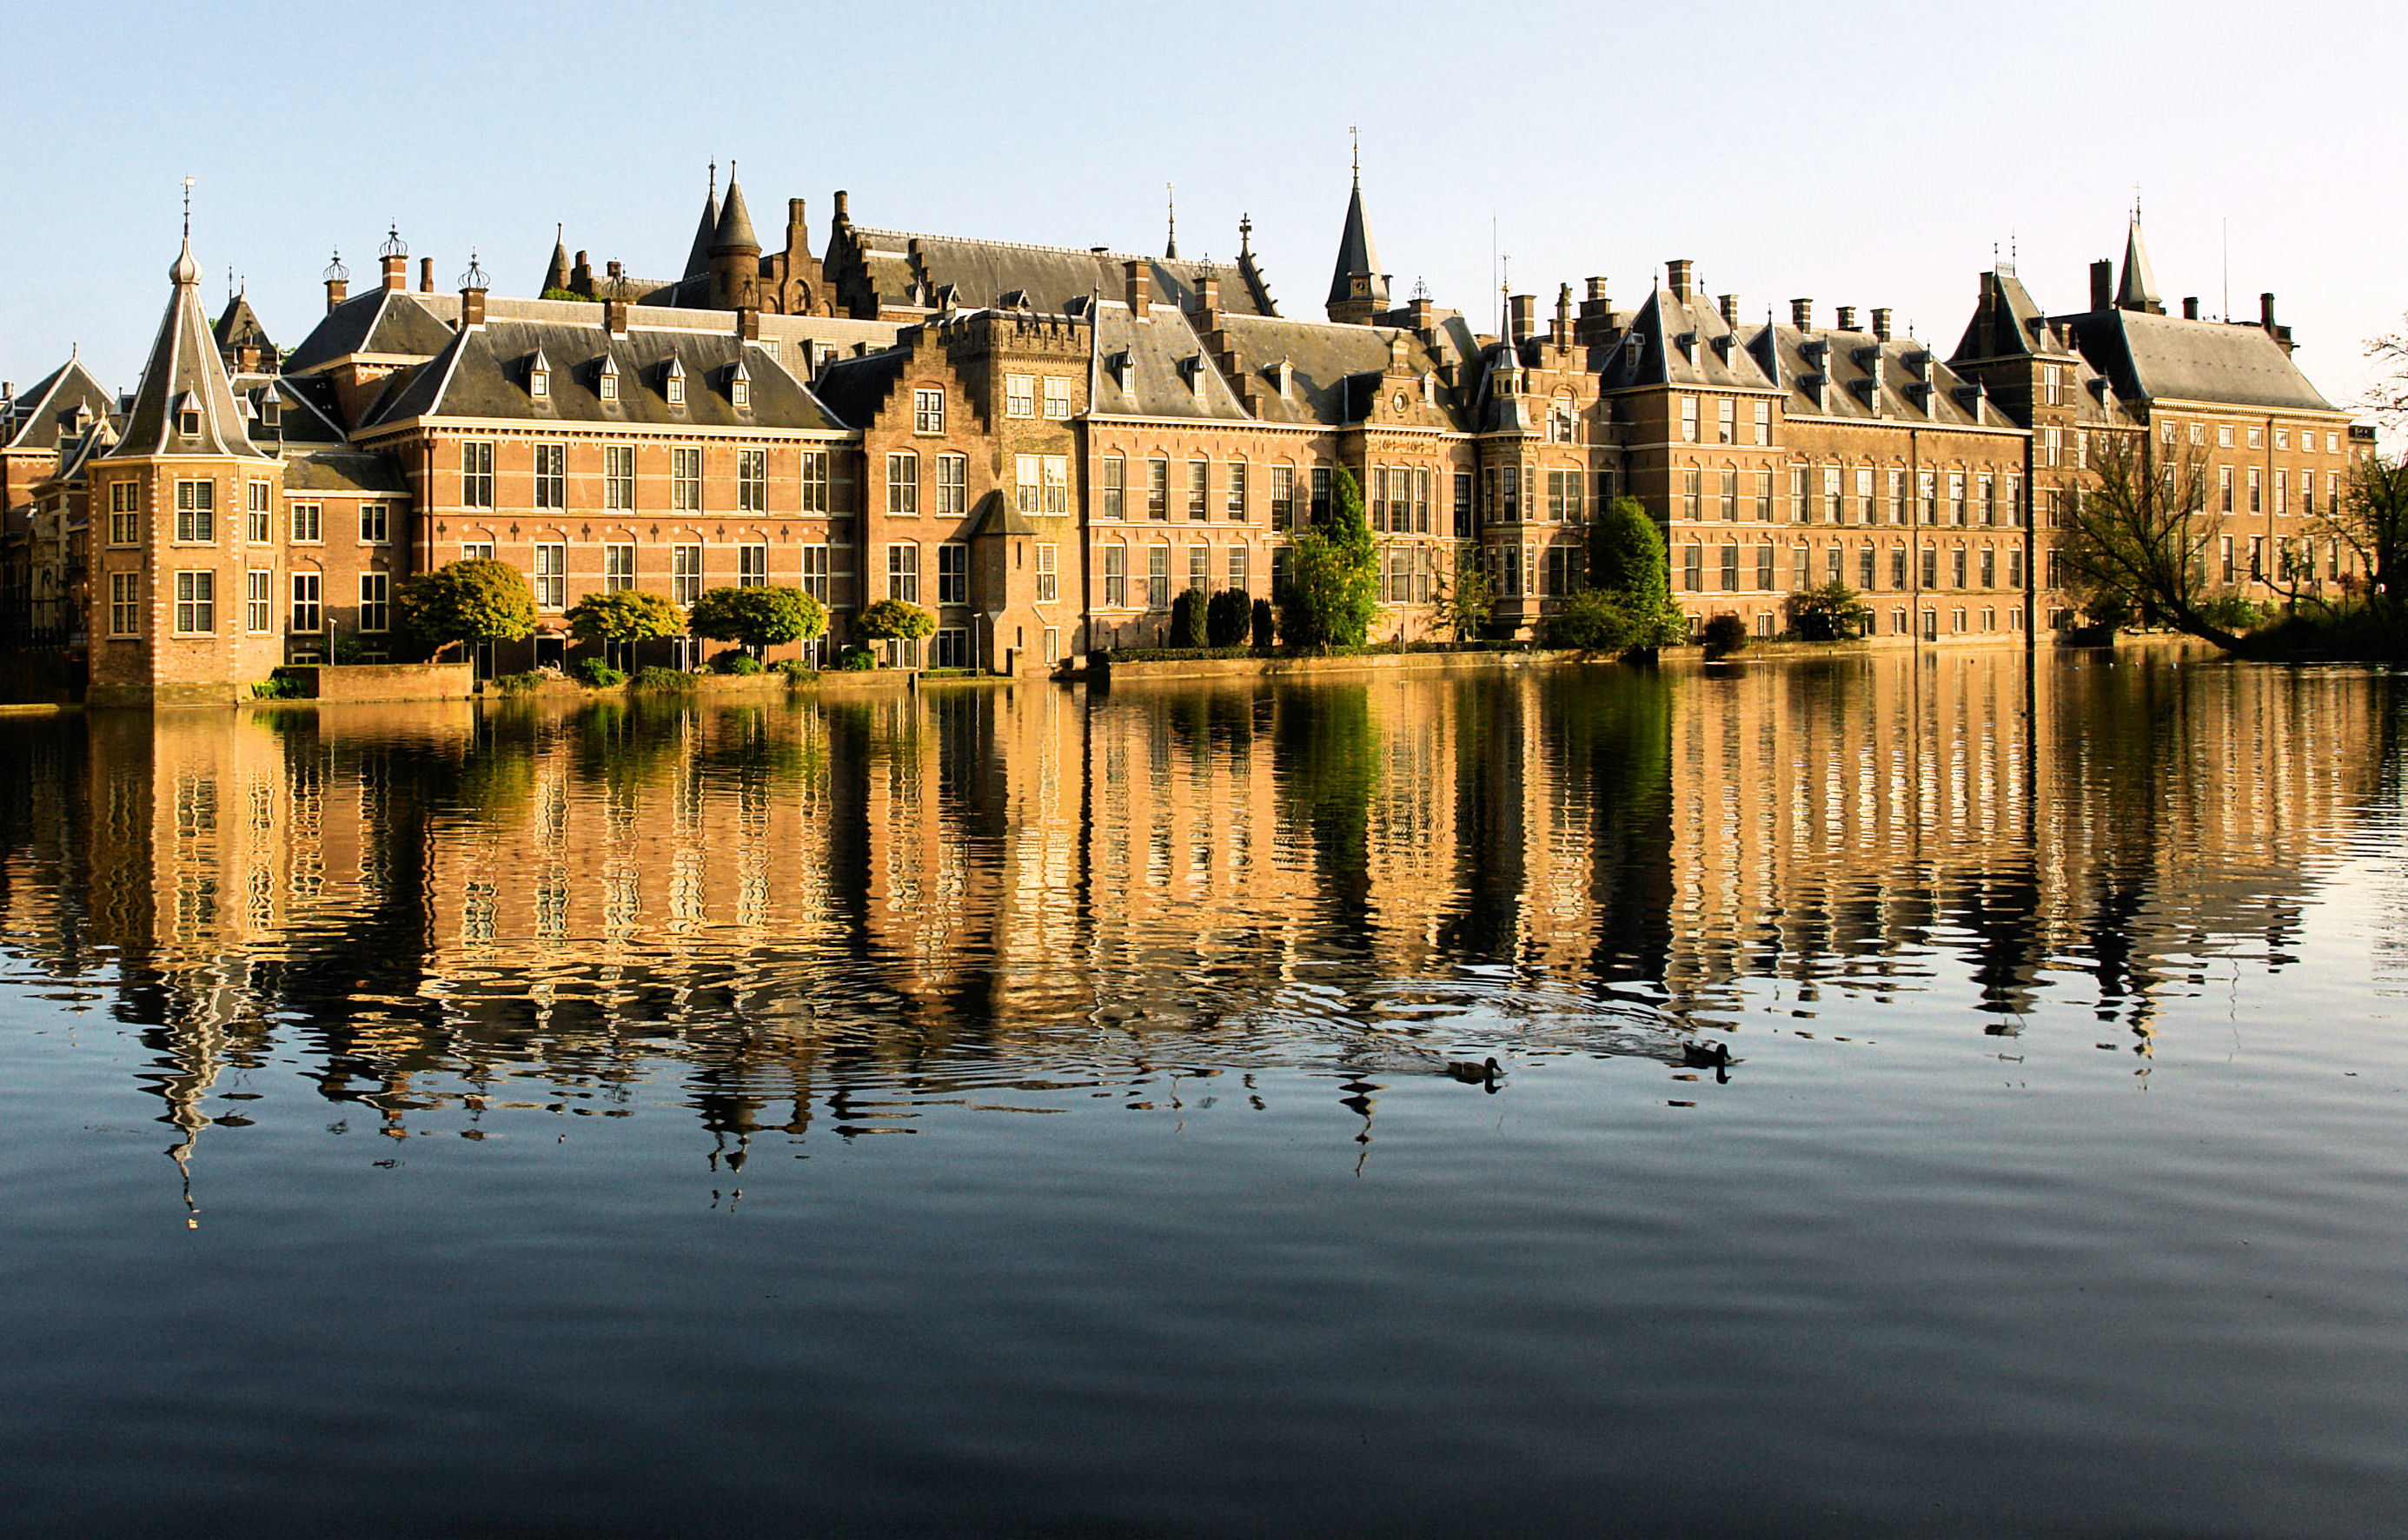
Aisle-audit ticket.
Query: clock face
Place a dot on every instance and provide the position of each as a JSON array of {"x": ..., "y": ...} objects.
[{"x": 1400, "y": 403}]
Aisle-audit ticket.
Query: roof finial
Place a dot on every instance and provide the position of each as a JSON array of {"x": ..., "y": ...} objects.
[
  {"x": 731, "y": 173},
  {"x": 1355, "y": 133},
  {"x": 188, "y": 210},
  {"x": 1245, "y": 236},
  {"x": 1170, "y": 247},
  {"x": 715, "y": 176},
  {"x": 475, "y": 276}
]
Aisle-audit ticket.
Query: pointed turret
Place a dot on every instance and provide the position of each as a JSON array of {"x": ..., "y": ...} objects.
[
  {"x": 185, "y": 404},
  {"x": 239, "y": 329},
  {"x": 734, "y": 233},
  {"x": 735, "y": 253},
  {"x": 1358, "y": 290},
  {"x": 556, "y": 276},
  {"x": 697, "y": 261},
  {"x": 2139, "y": 289}
]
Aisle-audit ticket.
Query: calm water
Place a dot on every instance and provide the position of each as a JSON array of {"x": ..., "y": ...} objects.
[{"x": 1029, "y": 1111}]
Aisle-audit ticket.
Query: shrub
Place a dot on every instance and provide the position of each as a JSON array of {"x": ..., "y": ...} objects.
[
  {"x": 466, "y": 602},
  {"x": 1725, "y": 633},
  {"x": 1832, "y": 612},
  {"x": 279, "y": 686},
  {"x": 758, "y": 618},
  {"x": 344, "y": 648},
  {"x": 1266, "y": 623},
  {"x": 1592, "y": 621},
  {"x": 657, "y": 678},
  {"x": 525, "y": 683},
  {"x": 2232, "y": 613},
  {"x": 742, "y": 664},
  {"x": 797, "y": 671},
  {"x": 855, "y": 660},
  {"x": 600, "y": 675},
  {"x": 1190, "y": 626},
  {"x": 1227, "y": 618}
]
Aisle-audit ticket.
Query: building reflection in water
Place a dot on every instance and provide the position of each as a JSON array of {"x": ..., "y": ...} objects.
[{"x": 826, "y": 914}]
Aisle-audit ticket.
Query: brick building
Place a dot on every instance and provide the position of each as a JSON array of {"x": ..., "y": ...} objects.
[{"x": 1043, "y": 445}]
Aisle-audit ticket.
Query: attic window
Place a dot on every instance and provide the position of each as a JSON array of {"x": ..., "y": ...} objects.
[
  {"x": 673, "y": 382},
  {"x": 271, "y": 412},
  {"x": 606, "y": 379},
  {"x": 1196, "y": 371},
  {"x": 539, "y": 375},
  {"x": 739, "y": 388},
  {"x": 188, "y": 422}
]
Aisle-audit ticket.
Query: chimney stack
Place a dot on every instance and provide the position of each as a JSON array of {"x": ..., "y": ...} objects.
[
  {"x": 1137, "y": 279},
  {"x": 1676, "y": 278},
  {"x": 425, "y": 275},
  {"x": 246, "y": 358},
  {"x": 1208, "y": 292},
  {"x": 2191, "y": 308},
  {"x": 1847, "y": 318},
  {"x": 843, "y": 206},
  {"x": 1562, "y": 337},
  {"x": 747, "y": 323},
  {"x": 472, "y": 296},
  {"x": 1524, "y": 311},
  {"x": 614, "y": 316},
  {"x": 396, "y": 255},
  {"x": 2102, "y": 285},
  {"x": 2266, "y": 313},
  {"x": 338, "y": 283},
  {"x": 1881, "y": 323},
  {"x": 1801, "y": 314},
  {"x": 1730, "y": 307}
]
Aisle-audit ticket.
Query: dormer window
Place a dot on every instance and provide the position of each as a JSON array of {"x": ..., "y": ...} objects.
[
  {"x": 740, "y": 387},
  {"x": 1194, "y": 367},
  {"x": 1283, "y": 376},
  {"x": 606, "y": 379},
  {"x": 188, "y": 422},
  {"x": 540, "y": 375},
  {"x": 673, "y": 382},
  {"x": 271, "y": 412}
]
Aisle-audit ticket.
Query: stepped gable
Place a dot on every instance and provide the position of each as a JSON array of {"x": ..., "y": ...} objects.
[
  {"x": 383, "y": 322},
  {"x": 184, "y": 374},
  {"x": 483, "y": 373},
  {"x": 45, "y": 415},
  {"x": 2167, "y": 358},
  {"x": 855, "y": 388},
  {"x": 905, "y": 271},
  {"x": 1336, "y": 369}
]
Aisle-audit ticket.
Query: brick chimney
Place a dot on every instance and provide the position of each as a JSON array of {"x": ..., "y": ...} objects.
[
  {"x": 1208, "y": 292},
  {"x": 1847, "y": 318},
  {"x": 843, "y": 206},
  {"x": 614, "y": 316},
  {"x": 747, "y": 323},
  {"x": 2102, "y": 285},
  {"x": 1676, "y": 278},
  {"x": 1881, "y": 323},
  {"x": 1137, "y": 279},
  {"x": 427, "y": 275},
  {"x": 1728, "y": 305},
  {"x": 1801, "y": 314},
  {"x": 472, "y": 297},
  {"x": 2191, "y": 308},
  {"x": 246, "y": 358},
  {"x": 338, "y": 283},
  {"x": 395, "y": 257},
  {"x": 1524, "y": 311}
]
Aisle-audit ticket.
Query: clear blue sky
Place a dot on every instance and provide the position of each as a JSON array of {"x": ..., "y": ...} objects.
[{"x": 1867, "y": 154}]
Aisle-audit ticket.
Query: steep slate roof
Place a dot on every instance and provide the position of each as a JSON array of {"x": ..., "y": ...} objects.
[
  {"x": 854, "y": 388},
  {"x": 238, "y": 325},
  {"x": 1848, "y": 360},
  {"x": 75, "y": 456},
  {"x": 184, "y": 372},
  {"x": 483, "y": 373},
  {"x": 735, "y": 222},
  {"x": 388, "y": 322},
  {"x": 345, "y": 470},
  {"x": 2139, "y": 289},
  {"x": 1335, "y": 368},
  {"x": 2007, "y": 323},
  {"x": 1356, "y": 254},
  {"x": 1650, "y": 352},
  {"x": 2160, "y": 357},
  {"x": 697, "y": 260},
  {"x": 1163, "y": 350},
  {"x": 981, "y": 272},
  {"x": 40, "y": 411}
]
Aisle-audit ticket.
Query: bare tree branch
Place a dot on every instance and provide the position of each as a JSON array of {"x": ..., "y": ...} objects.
[{"x": 2139, "y": 533}]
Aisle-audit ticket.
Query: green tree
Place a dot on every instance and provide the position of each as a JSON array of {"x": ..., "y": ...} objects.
[
  {"x": 1592, "y": 621},
  {"x": 1724, "y": 633},
  {"x": 1333, "y": 584},
  {"x": 758, "y": 618},
  {"x": 466, "y": 602},
  {"x": 1189, "y": 623},
  {"x": 623, "y": 616},
  {"x": 1228, "y": 617},
  {"x": 894, "y": 620},
  {"x": 1627, "y": 562},
  {"x": 1828, "y": 613},
  {"x": 1465, "y": 599}
]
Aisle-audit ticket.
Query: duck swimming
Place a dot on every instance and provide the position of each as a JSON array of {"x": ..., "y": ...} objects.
[{"x": 1475, "y": 1074}]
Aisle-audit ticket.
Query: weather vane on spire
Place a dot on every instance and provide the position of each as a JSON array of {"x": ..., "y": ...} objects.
[
  {"x": 1355, "y": 132},
  {"x": 1171, "y": 198},
  {"x": 188, "y": 208}
]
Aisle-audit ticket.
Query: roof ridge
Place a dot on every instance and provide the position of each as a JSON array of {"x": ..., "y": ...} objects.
[{"x": 1100, "y": 253}]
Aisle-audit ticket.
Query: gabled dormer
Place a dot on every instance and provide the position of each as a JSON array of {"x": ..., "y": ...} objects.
[
  {"x": 739, "y": 386},
  {"x": 538, "y": 375},
  {"x": 672, "y": 383},
  {"x": 606, "y": 379}
]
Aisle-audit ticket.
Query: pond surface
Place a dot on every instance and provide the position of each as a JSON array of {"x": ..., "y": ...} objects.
[{"x": 1934, "y": 1098}]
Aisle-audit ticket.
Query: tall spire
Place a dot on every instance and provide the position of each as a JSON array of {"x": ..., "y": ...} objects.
[
  {"x": 1171, "y": 246},
  {"x": 735, "y": 224},
  {"x": 1357, "y": 288},
  {"x": 697, "y": 260},
  {"x": 2139, "y": 289},
  {"x": 184, "y": 385}
]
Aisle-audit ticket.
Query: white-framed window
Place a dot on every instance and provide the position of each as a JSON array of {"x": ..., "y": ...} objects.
[
  {"x": 126, "y": 603},
  {"x": 1199, "y": 569},
  {"x": 1056, "y": 468},
  {"x": 814, "y": 475},
  {"x": 953, "y": 573},
  {"x": 476, "y": 550},
  {"x": 1239, "y": 565},
  {"x": 1158, "y": 491},
  {"x": 1199, "y": 490},
  {"x": 1114, "y": 475},
  {"x": 1057, "y": 397},
  {"x": 1157, "y": 577},
  {"x": 1026, "y": 492},
  {"x": 376, "y": 606},
  {"x": 1020, "y": 395},
  {"x": 376, "y": 523},
  {"x": 685, "y": 480},
  {"x": 259, "y": 617},
  {"x": 2053, "y": 386},
  {"x": 1688, "y": 419},
  {"x": 606, "y": 382},
  {"x": 256, "y": 529},
  {"x": 196, "y": 517},
  {"x": 673, "y": 384},
  {"x": 1726, "y": 421},
  {"x": 618, "y": 568},
  {"x": 2052, "y": 446},
  {"x": 751, "y": 567},
  {"x": 952, "y": 484},
  {"x": 2257, "y": 437},
  {"x": 1764, "y": 422},
  {"x": 1233, "y": 491},
  {"x": 552, "y": 475},
  {"x": 739, "y": 389},
  {"x": 816, "y": 573},
  {"x": 309, "y": 607},
  {"x": 903, "y": 484},
  {"x": 619, "y": 478},
  {"x": 903, "y": 571},
  {"x": 124, "y": 513},
  {"x": 196, "y": 603},
  {"x": 309, "y": 524},
  {"x": 1053, "y": 644},
  {"x": 476, "y": 473},
  {"x": 927, "y": 411},
  {"x": 1284, "y": 496},
  {"x": 552, "y": 577},
  {"x": 1049, "y": 589},
  {"x": 1116, "y": 577},
  {"x": 685, "y": 573},
  {"x": 753, "y": 480}
]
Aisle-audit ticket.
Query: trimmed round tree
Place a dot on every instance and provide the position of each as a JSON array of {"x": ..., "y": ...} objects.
[
  {"x": 623, "y": 617},
  {"x": 462, "y": 603},
  {"x": 757, "y": 619},
  {"x": 894, "y": 620}
]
